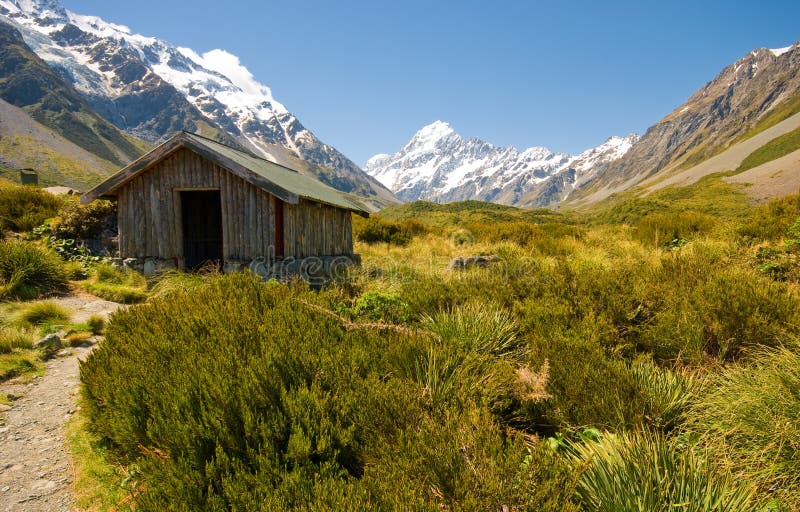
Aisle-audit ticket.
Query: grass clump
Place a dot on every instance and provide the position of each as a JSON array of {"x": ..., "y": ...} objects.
[
  {"x": 28, "y": 272},
  {"x": 20, "y": 362},
  {"x": 749, "y": 416},
  {"x": 124, "y": 286},
  {"x": 13, "y": 338},
  {"x": 40, "y": 313},
  {"x": 96, "y": 324},
  {"x": 635, "y": 472}
]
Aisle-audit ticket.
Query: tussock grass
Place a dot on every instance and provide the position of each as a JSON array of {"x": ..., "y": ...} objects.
[
  {"x": 39, "y": 313},
  {"x": 640, "y": 471},
  {"x": 749, "y": 416},
  {"x": 124, "y": 286},
  {"x": 28, "y": 271},
  {"x": 12, "y": 338}
]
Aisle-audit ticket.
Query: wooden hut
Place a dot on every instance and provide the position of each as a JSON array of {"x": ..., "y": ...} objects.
[{"x": 193, "y": 200}]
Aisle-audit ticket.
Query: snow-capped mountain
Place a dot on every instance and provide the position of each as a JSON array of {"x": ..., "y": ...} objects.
[
  {"x": 439, "y": 165},
  {"x": 151, "y": 89}
]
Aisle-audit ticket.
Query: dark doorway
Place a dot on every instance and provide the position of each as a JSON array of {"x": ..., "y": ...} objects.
[{"x": 202, "y": 228}]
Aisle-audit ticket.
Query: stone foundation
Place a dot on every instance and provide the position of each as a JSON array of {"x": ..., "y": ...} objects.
[{"x": 316, "y": 270}]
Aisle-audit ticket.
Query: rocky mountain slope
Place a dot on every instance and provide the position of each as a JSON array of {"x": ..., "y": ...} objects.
[
  {"x": 28, "y": 83},
  {"x": 748, "y": 97},
  {"x": 439, "y": 165},
  {"x": 150, "y": 89}
]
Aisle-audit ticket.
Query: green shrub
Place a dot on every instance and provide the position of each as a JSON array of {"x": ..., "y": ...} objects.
[
  {"x": 23, "y": 208},
  {"x": 28, "y": 271},
  {"x": 76, "y": 221},
  {"x": 635, "y": 472},
  {"x": 381, "y": 307},
  {"x": 588, "y": 386},
  {"x": 220, "y": 408},
  {"x": 748, "y": 415},
  {"x": 375, "y": 230}
]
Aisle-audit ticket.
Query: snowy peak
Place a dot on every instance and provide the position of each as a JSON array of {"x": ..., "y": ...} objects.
[
  {"x": 43, "y": 9},
  {"x": 433, "y": 132},
  {"x": 437, "y": 164}
]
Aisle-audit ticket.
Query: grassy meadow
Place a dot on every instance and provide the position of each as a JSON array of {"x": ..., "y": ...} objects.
[{"x": 641, "y": 356}]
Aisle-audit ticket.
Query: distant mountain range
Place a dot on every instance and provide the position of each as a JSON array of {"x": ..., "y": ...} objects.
[
  {"x": 439, "y": 165},
  {"x": 149, "y": 89},
  {"x": 756, "y": 99}
]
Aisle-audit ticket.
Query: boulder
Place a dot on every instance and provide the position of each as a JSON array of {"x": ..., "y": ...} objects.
[
  {"x": 51, "y": 342},
  {"x": 480, "y": 260}
]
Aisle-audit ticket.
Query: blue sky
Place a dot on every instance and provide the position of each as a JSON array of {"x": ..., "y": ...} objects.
[{"x": 365, "y": 75}]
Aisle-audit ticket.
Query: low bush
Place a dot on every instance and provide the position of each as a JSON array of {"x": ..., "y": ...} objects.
[
  {"x": 589, "y": 387},
  {"x": 311, "y": 415},
  {"x": 28, "y": 272},
  {"x": 23, "y": 208},
  {"x": 381, "y": 307},
  {"x": 376, "y": 230},
  {"x": 673, "y": 229},
  {"x": 771, "y": 220}
]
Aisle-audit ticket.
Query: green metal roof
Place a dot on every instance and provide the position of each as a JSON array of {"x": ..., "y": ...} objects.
[{"x": 281, "y": 181}]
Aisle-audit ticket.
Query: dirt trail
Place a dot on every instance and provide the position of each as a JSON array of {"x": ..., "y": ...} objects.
[{"x": 35, "y": 468}]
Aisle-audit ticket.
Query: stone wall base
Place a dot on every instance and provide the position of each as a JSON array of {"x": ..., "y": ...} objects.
[{"x": 316, "y": 270}]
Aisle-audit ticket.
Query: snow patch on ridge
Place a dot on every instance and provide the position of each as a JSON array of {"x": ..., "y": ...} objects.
[{"x": 780, "y": 51}]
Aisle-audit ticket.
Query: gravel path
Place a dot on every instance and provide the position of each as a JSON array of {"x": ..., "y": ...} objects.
[{"x": 35, "y": 468}]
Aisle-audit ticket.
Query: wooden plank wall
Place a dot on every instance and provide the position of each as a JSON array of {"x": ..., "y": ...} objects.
[
  {"x": 314, "y": 229},
  {"x": 150, "y": 224}
]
